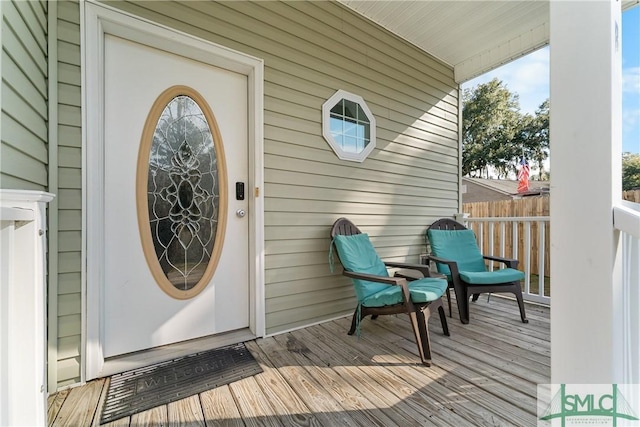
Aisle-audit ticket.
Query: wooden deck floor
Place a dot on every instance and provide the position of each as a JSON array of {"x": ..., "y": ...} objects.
[{"x": 484, "y": 374}]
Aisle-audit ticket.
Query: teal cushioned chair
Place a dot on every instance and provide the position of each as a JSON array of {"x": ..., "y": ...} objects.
[
  {"x": 378, "y": 293},
  {"x": 456, "y": 254}
]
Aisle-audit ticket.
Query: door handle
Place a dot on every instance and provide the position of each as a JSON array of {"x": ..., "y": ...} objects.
[{"x": 241, "y": 213}]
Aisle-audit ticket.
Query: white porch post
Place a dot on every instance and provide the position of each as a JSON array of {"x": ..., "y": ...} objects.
[{"x": 586, "y": 155}]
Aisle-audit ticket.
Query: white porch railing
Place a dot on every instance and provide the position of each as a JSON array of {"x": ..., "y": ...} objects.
[
  {"x": 521, "y": 238},
  {"x": 23, "y": 391},
  {"x": 626, "y": 219}
]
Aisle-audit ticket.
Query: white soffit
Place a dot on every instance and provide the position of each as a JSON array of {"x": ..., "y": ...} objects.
[{"x": 471, "y": 36}]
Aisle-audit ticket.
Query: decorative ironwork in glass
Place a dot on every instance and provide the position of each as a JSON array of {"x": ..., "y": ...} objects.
[{"x": 183, "y": 192}]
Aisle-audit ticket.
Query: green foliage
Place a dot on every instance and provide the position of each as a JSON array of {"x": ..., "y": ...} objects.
[
  {"x": 533, "y": 137},
  {"x": 630, "y": 171},
  {"x": 495, "y": 133}
]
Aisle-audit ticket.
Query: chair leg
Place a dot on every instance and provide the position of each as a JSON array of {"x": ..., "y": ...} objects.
[
  {"x": 443, "y": 320},
  {"x": 462, "y": 299},
  {"x": 421, "y": 332},
  {"x": 518, "y": 294},
  {"x": 474, "y": 298},
  {"x": 428, "y": 310},
  {"x": 354, "y": 322},
  {"x": 449, "y": 300}
]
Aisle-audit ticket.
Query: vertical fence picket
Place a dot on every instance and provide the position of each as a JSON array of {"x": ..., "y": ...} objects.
[
  {"x": 527, "y": 257},
  {"x": 541, "y": 256},
  {"x": 491, "y": 242},
  {"x": 514, "y": 235},
  {"x": 527, "y": 207},
  {"x": 528, "y": 235}
]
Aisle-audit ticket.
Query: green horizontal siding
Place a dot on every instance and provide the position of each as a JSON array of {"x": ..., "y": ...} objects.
[
  {"x": 23, "y": 145},
  {"x": 69, "y": 175},
  {"x": 310, "y": 49}
]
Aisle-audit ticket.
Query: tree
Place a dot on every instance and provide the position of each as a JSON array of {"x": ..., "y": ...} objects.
[
  {"x": 490, "y": 115},
  {"x": 533, "y": 137},
  {"x": 630, "y": 171},
  {"x": 496, "y": 134}
]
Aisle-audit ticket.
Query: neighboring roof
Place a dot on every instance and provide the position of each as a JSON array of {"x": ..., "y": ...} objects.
[
  {"x": 508, "y": 186},
  {"x": 494, "y": 32}
]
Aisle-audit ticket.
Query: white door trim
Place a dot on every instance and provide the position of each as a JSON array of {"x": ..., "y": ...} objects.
[{"x": 96, "y": 21}]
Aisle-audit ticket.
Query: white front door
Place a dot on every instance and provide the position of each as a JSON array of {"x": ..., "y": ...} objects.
[{"x": 136, "y": 313}]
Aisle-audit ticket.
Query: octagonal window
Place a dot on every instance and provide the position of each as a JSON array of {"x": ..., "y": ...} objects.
[{"x": 348, "y": 126}]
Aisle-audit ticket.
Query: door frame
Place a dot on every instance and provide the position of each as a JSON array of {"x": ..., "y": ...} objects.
[{"x": 96, "y": 21}]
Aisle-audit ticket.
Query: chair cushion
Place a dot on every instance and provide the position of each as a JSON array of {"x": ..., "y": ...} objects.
[
  {"x": 459, "y": 246},
  {"x": 423, "y": 290},
  {"x": 492, "y": 277},
  {"x": 357, "y": 254},
  {"x": 427, "y": 289}
]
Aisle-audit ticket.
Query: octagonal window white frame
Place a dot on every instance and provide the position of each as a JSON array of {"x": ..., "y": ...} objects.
[{"x": 340, "y": 147}]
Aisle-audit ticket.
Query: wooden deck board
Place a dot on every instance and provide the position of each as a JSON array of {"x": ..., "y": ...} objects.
[
  {"x": 445, "y": 390},
  {"x": 378, "y": 361},
  {"x": 492, "y": 355},
  {"x": 307, "y": 386},
  {"x": 284, "y": 400},
  {"x": 253, "y": 403},
  {"x": 359, "y": 377},
  {"x": 80, "y": 406},
  {"x": 220, "y": 409},
  {"x": 157, "y": 416},
  {"x": 54, "y": 403},
  {"x": 377, "y": 379},
  {"x": 484, "y": 374},
  {"x": 496, "y": 381},
  {"x": 351, "y": 399},
  {"x": 186, "y": 413},
  {"x": 488, "y": 406}
]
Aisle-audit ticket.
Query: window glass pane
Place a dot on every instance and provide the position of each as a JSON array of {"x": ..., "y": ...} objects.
[
  {"x": 362, "y": 117},
  {"x": 350, "y": 145},
  {"x": 338, "y": 109},
  {"x": 335, "y": 125},
  {"x": 350, "y": 108},
  {"x": 338, "y": 140},
  {"x": 350, "y": 129}
]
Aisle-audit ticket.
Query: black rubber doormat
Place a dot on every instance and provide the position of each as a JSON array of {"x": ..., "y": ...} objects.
[{"x": 141, "y": 389}]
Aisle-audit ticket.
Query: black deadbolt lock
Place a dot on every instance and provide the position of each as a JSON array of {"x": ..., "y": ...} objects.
[{"x": 239, "y": 190}]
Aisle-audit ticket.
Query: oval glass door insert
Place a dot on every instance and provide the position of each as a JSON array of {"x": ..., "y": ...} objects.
[{"x": 181, "y": 192}]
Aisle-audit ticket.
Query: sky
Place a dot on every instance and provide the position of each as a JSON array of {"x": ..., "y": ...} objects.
[{"x": 529, "y": 78}]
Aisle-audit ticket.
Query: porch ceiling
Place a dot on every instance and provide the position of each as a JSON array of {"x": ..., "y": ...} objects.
[{"x": 472, "y": 36}]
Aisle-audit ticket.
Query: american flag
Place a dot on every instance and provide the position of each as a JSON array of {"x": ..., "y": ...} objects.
[{"x": 523, "y": 176}]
